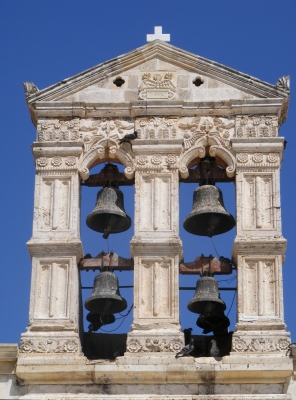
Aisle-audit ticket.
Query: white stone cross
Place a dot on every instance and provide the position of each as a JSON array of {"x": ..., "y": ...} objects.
[{"x": 158, "y": 35}]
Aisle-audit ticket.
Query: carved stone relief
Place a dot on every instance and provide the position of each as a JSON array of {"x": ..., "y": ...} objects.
[
  {"x": 256, "y": 126},
  {"x": 157, "y": 128},
  {"x": 53, "y": 210},
  {"x": 260, "y": 288},
  {"x": 258, "y": 160},
  {"x": 49, "y": 346},
  {"x": 194, "y": 128},
  {"x": 260, "y": 345},
  {"x": 257, "y": 202},
  {"x": 157, "y": 86},
  {"x": 56, "y": 130},
  {"x": 154, "y": 344},
  {"x": 57, "y": 164}
]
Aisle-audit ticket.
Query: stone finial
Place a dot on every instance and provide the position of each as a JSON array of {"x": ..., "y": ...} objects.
[
  {"x": 30, "y": 88},
  {"x": 284, "y": 83}
]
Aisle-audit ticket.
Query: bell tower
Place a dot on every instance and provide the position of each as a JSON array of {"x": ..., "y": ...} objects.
[{"x": 158, "y": 111}]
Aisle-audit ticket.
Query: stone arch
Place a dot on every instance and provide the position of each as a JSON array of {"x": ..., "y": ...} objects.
[
  {"x": 199, "y": 150},
  {"x": 102, "y": 149}
]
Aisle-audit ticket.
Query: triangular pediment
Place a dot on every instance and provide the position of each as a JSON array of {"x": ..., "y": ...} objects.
[{"x": 158, "y": 71}]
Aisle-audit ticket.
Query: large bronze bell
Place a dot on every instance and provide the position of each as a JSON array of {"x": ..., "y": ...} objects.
[
  {"x": 105, "y": 298},
  {"x": 206, "y": 300},
  {"x": 208, "y": 216},
  {"x": 109, "y": 215}
]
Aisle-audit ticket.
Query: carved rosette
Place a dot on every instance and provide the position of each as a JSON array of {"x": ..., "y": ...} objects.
[
  {"x": 256, "y": 126},
  {"x": 58, "y": 164},
  {"x": 260, "y": 345},
  {"x": 255, "y": 160},
  {"x": 49, "y": 346},
  {"x": 144, "y": 345}
]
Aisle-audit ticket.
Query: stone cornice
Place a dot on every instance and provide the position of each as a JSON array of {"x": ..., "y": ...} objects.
[{"x": 62, "y": 109}]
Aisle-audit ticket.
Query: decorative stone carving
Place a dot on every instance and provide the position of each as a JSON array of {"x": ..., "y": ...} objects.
[
  {"x": 196, "y": 127},
  {"x": 156, "y": 159},
  {"x": 142, "y": 159},
  {"x": 156, "y": 128},
  {"x": 30, "y": 88},
  {"x": 257, "y": 158},
  {"x": 260, "y": 345},
  {"x": 154, "y": 344},
  {"x": 156, "y": 86},
  {"x": 171, "y": 159},
  {"x": 62, "y": 164},
  {"x": 284, "y": 83},
  {"x": 264, "y": 160},
  {"x": 58, "y": 130},
  {"x": 242, "y": 157},
  {"x": 49, "y": 346},
  {"x": 256, "y": 126},
  {"x": 101, "y": 140}
]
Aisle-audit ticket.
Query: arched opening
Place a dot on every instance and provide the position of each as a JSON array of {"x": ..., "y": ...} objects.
[{"x": 96, "y": 343}]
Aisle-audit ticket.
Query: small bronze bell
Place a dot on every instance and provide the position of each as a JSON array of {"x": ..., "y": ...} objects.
[
  {"x": 213, "y": 323},
  {"x": 208, "y": 216},
  {"x": 97, "y": 321},
  {"x": 105, "y": 298},
  {"x": 206, "y": 300},
  {"x": 109, "y": 215}
]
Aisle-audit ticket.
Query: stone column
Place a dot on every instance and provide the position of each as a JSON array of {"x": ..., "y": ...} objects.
[
  {"x": 156, "y": 246},
  {"x": 259, "y": 247},
  {"x": 55, "y": 246}
]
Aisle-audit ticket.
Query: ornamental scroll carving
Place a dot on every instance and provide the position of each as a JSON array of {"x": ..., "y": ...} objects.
[
  {"x": 157, "y": 128},
  {"x": 144, "y": 345},
  {"x": 49, "y": 346},
  {"x": 256, "y": 126},
  {"x": 260, "y": 345},
  {"x": 196, "y": 127},
  {"x": 101, "y": 140}
]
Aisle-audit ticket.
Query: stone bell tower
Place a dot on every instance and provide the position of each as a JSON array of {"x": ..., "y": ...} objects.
[{"x": 183, "y": 107}]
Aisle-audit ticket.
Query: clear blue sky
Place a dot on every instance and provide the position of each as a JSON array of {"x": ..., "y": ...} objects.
[{"x": 47, "y": 41}]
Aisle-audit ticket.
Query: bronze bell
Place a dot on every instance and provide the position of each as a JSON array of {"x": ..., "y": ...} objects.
[
  {"x": 97, "y": 321},
  {"x": 105, "y": 298},
  {"x": 206, "y": 300},
  {"x": 208, "y": 216},
  {"x": 217, "y": 323},
  {"x": 109, "y": 215}
]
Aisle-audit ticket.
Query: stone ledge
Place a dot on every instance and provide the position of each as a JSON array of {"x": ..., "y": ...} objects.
[
  {"x": 8, "y": 358},
  {"x": 152, "y": 369},
  {"x": 70, "y": 396}
]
